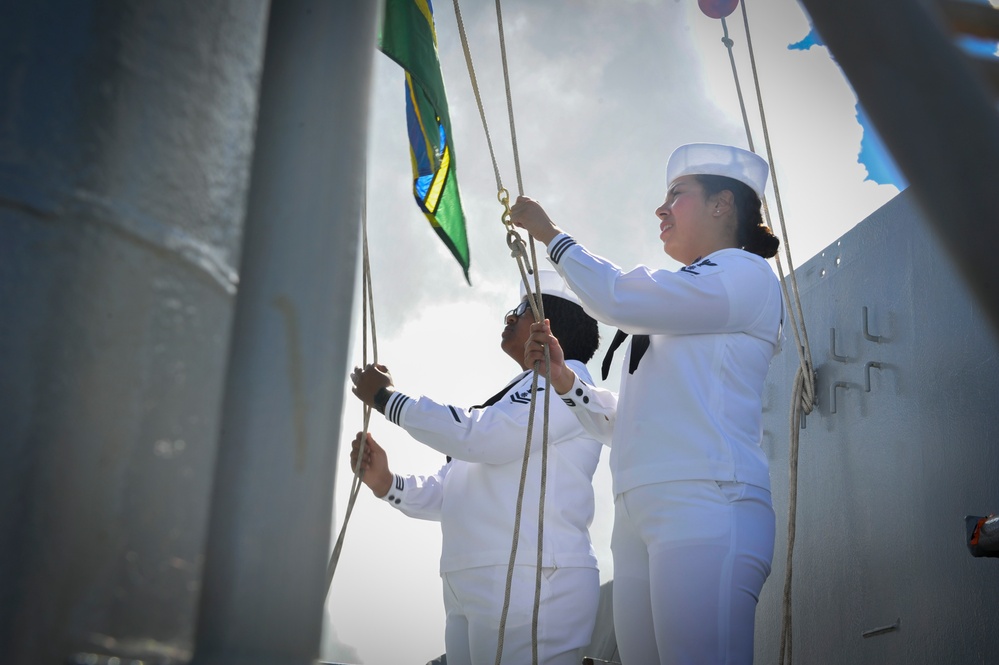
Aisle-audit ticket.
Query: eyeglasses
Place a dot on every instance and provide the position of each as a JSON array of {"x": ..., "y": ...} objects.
[{"x": 517, "y": 311}]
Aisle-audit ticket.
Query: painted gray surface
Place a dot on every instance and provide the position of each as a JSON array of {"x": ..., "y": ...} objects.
[
  {"x": 126, "y": 142},
  {"x": 885, "y": 482},
  {"x": 265, "y": 570},
  {"x": 126, "y": 131}
]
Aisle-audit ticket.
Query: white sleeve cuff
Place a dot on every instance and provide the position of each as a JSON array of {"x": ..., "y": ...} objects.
[
  {"x": 578, "y": 396},
  {"x": 396, "y": 491},
  {"x": 558, "y": 247},
  {"x": 395, "y": 406}
]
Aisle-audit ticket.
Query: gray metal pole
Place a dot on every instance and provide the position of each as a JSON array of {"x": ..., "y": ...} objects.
[
  {"x": 268, "y": 545},
  {"x": 126, "y": 130}
]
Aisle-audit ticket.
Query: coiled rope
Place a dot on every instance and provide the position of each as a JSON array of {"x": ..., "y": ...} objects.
[
  {"x": 803, "y": 391},
  {"x": 517, "y": 246}
]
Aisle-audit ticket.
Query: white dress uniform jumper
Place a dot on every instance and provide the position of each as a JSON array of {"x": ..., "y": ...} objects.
[
  {"x": 694, "y": 526},
  {"x": 474, "y": 497}
]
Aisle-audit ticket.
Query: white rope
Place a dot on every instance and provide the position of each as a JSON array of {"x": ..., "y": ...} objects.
[
  {"x": 803, "y": 390},
  {"x": 509, "y": 98},
  {"x": 367, "y": 307},
  {"x": 517, "y": 247}
]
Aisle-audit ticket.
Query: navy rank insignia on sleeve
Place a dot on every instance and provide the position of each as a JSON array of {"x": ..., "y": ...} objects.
[
  {"x": 524, "y": 396},
  {"x": 692, "y": 268}
]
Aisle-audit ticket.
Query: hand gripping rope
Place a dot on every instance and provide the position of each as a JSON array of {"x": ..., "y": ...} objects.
[{"x": 516, "y": 245}]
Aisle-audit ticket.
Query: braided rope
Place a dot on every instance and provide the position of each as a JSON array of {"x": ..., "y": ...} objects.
[
  {"x": 475, "y": 90},
  {"x": 367, "y": 307},
  {"x": 509, "y": 97},
  {"x": 803, "y": 391},
  {"x": 517, "y": 251}
]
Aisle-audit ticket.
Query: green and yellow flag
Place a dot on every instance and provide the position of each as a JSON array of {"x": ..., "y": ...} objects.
[{"x": 408, "y": 37}]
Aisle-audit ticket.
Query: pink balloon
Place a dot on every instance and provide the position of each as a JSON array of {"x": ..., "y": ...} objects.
[{"x": 717, "y": 8}]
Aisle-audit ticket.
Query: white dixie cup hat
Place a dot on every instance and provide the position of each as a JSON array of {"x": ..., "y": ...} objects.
[
  {"x": 716, "y": 159},
  {"x": 552, "y": 284}
]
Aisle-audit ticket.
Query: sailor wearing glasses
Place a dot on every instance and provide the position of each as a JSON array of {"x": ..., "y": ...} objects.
[{"x": 474, "y": 496}]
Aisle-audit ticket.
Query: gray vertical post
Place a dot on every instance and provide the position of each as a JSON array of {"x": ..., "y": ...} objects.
[
  {"x": 269, "y": 534},
  {"x": 126, "y": 132}
]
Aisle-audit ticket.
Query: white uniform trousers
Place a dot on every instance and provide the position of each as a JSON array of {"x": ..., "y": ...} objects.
[
  {"x": 690, "y": 560},
  {"x": 473, "y": 603}
]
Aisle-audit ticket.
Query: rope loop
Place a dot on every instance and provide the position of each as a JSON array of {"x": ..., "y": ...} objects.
[{"x": 518, "y": 248}]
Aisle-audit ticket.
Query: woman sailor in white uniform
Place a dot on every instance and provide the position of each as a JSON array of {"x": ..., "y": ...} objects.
[
  {"x": 474, "y": 497},
  {"x": 694, "y": 525}
]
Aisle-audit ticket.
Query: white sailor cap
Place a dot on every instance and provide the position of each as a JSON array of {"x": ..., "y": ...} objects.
[
  {"x": 715, "y": 159},
  {"x": 552, "y": 284}
]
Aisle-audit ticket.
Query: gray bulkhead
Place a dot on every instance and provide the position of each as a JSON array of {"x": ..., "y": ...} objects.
[{"x": 900, "y": 447}]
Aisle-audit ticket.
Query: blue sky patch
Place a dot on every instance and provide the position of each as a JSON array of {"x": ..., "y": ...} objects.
[{"x": 873, "y": 154}]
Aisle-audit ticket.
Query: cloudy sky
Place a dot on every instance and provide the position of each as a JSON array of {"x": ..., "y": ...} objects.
[{"x": 603, "y": 90}]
